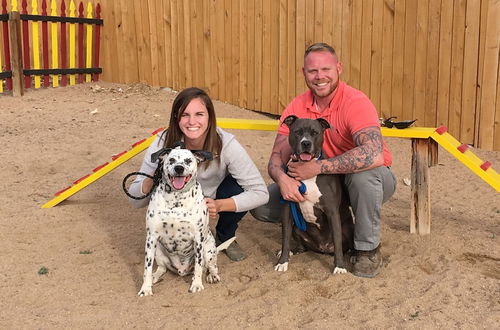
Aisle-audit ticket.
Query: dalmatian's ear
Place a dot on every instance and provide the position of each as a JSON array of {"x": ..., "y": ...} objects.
[
  {"x": 202, "y": 155},
  {"x": 179, "y": 145},
  {"x": 159, "y": 153},
  {"x": 288, "y": 121}
]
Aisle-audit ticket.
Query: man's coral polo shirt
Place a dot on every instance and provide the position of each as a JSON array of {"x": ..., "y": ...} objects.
[{"x": 349, "y": 111}]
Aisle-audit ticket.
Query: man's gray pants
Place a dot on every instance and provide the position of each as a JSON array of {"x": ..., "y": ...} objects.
[{"x": 368, "y": 190}]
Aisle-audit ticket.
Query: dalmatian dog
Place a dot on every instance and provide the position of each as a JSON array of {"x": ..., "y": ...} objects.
[{"x": 178, "y": 235}]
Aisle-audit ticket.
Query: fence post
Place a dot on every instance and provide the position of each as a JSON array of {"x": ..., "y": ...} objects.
[{"x": 15, "y": 58}]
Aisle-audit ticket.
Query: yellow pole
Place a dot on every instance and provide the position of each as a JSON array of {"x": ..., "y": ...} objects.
[
  {"x": 55, "y": 48},
  {"x": 35, "y": 41}
]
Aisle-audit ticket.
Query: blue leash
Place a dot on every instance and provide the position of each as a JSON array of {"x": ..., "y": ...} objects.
[{"x": 298, "y": 218}]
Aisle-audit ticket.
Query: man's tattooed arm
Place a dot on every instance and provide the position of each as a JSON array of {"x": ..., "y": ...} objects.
[
  {"x": 367, "y": 154},
  {"x": 279, "y": 157}
]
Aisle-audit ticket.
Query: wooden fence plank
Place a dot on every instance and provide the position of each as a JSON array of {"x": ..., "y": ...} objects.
[
  {"x": 250, "y": 67},
  {"x": 482, "y": 45},
  {"x": 167, "y": 37},
  {"x": 266, "y": 57},
  {"x": 45, "y": 44},
  {"x": 355, "y": 59},
  {"x": 88, "y": 46},
  {"x": 309, "y": 15},
  {"x": 258, "y": 53},
  {"x": 35, "y": 42},
  {"x": 496, "y": 123},
  {"x": 227, "y": 53},
  {"x": 490, "y": 77},
  {"x": 469, "y": 83},
  {"x": 151, "y": 40},
  {"x": 398, "y": 60},
  {"x": 457, "y": 63},
  {"x": 187, "y": 58},
  {"x": 219, "y": 48},
  {"x": 366, "y": 46},
  {"x": 409, "y": 59},
  {"x": 444, "y": 65},
  {"x": 55, "y": 44},
  {"x": 327, "y": 21},
  {"x": 208, "y": 51},
  {"x": 283, "y": 56},
  {"x": 420, "y": 60},
  {"x": 199, "y": 43},
  {"x": 80, "y": 42},
  {"x": 291, "y": 54},
  {"x": 387, "y": 44},
  {"x": 300, "y": 45},
  {"x": 243, "y": 55},
  {"x": 162, "y": 48},
  {"x": 131, "y": 57},
  {"x": 432, "y": 62},
  {"x": 235, "y": 51},
  {"x": 275, "y": 56},
  {"x": 345, "y": 45},
  {"x": 174, "y": 46},
  {"x": 72, "y": 40},
  {"x": 318, "y": 21},
  {"x": 376, "y": 56}
]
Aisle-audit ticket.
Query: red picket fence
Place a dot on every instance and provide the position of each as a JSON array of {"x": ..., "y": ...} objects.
[{"x": 73, "y": 50}]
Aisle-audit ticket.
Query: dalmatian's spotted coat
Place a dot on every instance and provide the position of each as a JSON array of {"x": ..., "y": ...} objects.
[{"x": 178, "y": 235}]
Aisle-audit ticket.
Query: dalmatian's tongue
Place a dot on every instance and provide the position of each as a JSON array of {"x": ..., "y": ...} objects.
[
  {"x": 305, "y": 157},
  {"x": 178, "y": 182}
]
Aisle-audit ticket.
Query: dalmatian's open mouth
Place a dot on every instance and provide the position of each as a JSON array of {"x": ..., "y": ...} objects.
[{"x": 178, "y": 182}]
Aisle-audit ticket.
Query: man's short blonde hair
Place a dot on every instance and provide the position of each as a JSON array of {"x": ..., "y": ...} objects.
[{"x": 320, "y": 46}]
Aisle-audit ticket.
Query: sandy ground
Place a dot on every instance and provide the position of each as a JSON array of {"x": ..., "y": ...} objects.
[{"x": 92, "y": 244}]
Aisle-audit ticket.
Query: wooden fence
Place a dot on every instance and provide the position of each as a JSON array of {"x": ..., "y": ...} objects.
[
  {"x": 69, "y": 41},
  {"x": 433, "y": 60}
]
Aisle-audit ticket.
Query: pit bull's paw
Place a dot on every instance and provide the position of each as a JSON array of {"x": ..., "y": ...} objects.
[
  {"x": 339, "y": 270},
  {"x": 196, "y": 287},
  {"x": 213, "y": 278},
  {"x": 281, "y": 267},
  {"x": 145, "y": 291}
]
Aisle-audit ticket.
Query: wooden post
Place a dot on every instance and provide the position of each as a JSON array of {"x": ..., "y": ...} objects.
[
  {"x": 420, "y": 221},
  {"x": 16, "y": 61}
]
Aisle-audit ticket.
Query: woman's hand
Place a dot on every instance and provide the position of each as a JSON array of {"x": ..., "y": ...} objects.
[{"x": 212, "y": 208}]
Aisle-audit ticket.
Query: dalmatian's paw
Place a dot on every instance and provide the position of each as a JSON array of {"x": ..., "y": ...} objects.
[
  {"x": 196, "y": 287},
  {"x": 339, "y": 270},
  {"x": 211, "y": 278},
  {"x": 145, "y": 291},
  {"x": 281, "y": 267}
]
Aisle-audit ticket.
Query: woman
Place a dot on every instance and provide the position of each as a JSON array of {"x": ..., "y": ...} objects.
[{"x": 231, "y": 181}]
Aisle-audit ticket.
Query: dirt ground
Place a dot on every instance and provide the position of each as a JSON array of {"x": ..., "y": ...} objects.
[{"x": 91, "y": 246}]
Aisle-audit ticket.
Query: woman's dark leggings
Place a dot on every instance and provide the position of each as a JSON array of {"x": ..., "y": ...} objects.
[{"x": 228, "y": 221}]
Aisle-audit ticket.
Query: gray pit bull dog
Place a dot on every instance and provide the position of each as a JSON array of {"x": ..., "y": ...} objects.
[{"x": 329, "y": 223}]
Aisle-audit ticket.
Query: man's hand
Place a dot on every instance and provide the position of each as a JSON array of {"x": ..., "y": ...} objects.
[
  {"x": 304, "y": 170},
  {"x": 289, "y": 188}
]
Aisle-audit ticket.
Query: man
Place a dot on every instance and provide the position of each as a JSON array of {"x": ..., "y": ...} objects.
[{"x": 353, "y": 147}]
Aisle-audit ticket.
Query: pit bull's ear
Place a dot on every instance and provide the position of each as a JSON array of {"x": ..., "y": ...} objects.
[
  {"x": 288, "y": 121},
  {"x": 202, "y": 155},
  {"x": 324, "y": 123},
  {"x": 159, "y": 153}
]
